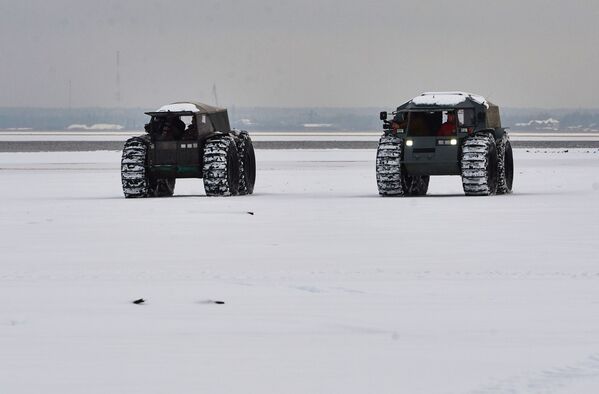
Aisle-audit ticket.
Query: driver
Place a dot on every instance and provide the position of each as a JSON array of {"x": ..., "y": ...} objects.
[
  {"x": 398, "y": 122},
  {"x": 450, "y": 126}
]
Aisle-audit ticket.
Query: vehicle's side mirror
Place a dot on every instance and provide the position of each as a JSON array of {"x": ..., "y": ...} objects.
[{"x": 383, "y": 115}]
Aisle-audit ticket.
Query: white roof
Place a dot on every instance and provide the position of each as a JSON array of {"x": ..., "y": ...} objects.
[
  {"x": 447, "y": 98},
  {"x": 179, "y": 107}
]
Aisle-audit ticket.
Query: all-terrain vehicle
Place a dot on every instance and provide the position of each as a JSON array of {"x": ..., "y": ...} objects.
[
  {"x": 444, "y": 133},
  {"x": 203, "y": 147}
]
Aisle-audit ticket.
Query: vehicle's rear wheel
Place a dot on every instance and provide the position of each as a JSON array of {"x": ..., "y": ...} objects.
[
  {"x": 479, "y": 165},
  {"x": 390, "y": 177},
  {"x": 417, "y": 185},
  {"x": 505, "y": 166},
  {"x": 134, "y": 172},
  {"x": 162, "y": 187},
  {"x": 221, "y": 166},
  {"x": 247, "y": 164}
]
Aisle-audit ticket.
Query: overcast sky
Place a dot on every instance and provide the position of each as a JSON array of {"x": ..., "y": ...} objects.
[{"x": 518, "y": 53}]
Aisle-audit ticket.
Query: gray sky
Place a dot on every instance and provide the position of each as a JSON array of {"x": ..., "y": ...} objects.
[{"x": 526, "y": 53}]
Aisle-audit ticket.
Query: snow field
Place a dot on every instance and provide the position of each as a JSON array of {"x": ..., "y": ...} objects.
[{"x": 327, "y": 286}]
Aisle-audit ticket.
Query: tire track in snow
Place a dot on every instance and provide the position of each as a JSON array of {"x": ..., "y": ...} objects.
[{"x": 549, "y": 380}]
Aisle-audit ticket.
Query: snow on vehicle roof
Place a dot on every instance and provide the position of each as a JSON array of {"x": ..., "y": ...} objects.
[
  {"x": 179, "y": 107},
  {"x": 448, "y": 98},
  {"x": 188, "y": 106}
]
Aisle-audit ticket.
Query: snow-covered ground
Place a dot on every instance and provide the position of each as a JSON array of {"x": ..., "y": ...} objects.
[{"x": 328, "y": 288}]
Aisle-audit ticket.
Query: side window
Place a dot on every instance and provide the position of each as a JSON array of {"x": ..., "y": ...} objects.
[
  {"x": 444, "y": 116},
  {"x": 186, "y": 120},
  {"x": 204, "y": 123},
  {"x": 466, "y": 117}
]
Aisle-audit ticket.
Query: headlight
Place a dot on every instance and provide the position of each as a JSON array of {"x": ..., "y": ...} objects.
[
  {"x": 453, "y": 141},
  {"x": 409, "y": 142}
]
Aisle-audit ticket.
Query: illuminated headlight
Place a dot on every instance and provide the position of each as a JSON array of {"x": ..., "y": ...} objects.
[
  {"x": 409, "y": 143},
  {"x": 453, "y": 141}
]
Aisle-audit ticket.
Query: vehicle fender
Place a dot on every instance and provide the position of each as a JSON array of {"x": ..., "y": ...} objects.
[
  {"x": 496, "y": 133},
  {"x": 215, "y": 134},
  {"x": 500, "y": 132},
  {"x": 145, "y": 138},
  {"x": 237, "y": 133}
]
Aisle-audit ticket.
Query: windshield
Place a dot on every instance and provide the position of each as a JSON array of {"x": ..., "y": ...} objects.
[{"x": 442, "y": 123}]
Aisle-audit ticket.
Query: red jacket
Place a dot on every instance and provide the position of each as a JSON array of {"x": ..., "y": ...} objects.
[{"x": 447, "y": 129}]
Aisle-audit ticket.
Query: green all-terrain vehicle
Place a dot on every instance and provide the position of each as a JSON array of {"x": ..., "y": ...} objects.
[
  {"x": 444, "y": 133},
  {"x": 188, "y": 140}
]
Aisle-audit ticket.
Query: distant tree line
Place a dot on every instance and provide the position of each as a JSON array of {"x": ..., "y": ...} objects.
[
  {"x": 271, "y": 119},
  {"x": 59, "y": 119}
]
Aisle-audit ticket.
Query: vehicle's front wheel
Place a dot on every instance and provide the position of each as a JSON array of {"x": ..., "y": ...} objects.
[
  {"x": 479, "y": 165},
  {"x": 134, "y": 172},
  {"x": 390, "y": 177},
  {"x": 221, "y": 166}
]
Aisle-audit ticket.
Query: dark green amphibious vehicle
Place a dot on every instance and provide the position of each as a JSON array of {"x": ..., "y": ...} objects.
[
  {"x": 444, "y": 133},
  {"x": 188, "y": 140}
]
